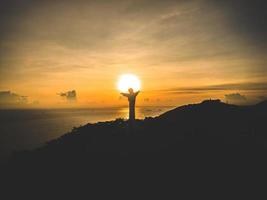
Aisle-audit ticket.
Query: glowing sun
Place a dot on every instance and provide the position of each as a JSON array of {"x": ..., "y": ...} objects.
[{"x": 127, "y": 81}]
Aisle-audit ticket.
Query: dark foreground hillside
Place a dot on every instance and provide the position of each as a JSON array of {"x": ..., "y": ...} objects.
[{"x": 211, "y": 141}]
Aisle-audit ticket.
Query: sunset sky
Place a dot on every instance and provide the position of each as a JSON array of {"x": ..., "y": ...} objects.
[{"x": 183, "y": 51}]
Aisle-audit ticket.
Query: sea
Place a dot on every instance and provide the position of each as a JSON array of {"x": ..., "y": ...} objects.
[{"x": 31, "y": 128}]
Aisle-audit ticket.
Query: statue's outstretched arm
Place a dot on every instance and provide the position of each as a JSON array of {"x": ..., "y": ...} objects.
[
  {"x": 137, "y": 93},
  {"x": 125, "y": 94}
]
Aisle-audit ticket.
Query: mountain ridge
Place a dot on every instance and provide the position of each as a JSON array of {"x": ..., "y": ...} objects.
[
  {"x": 210, "y": 118},
  {"x": 206, "y": 139}
]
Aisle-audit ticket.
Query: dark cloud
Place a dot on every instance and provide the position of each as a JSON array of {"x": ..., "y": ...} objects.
[
  {"x": 262, "y": 98},
  {"x": 8, "y": 98},
  {"x": 235, "y": 97},
  {"x": 229, "y": 86},
  {"x": 69, "y": 95},
  {"x": 248, "y": 17}
]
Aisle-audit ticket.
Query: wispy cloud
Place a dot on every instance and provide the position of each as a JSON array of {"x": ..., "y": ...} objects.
[{"x": 229, "y": 86}]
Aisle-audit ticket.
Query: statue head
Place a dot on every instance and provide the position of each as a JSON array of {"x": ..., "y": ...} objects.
[{"x": 131, "y": 90}]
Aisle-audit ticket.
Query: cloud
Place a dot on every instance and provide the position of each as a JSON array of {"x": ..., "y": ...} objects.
[
  {"x": 262, "y": 98},
  {"x": 9, "y": 98},
  {"x": 249, "y": 19},
  {"x": 235, "y": 97},
  {"x": 260, "y": 86},
  {"x": 186, "y": 41},
  {"x": 69, "y": 95}
]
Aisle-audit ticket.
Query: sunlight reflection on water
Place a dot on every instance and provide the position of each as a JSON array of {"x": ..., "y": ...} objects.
[{"x": 141, "y": 112}]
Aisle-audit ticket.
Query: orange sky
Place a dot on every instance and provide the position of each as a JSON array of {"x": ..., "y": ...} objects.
[{"x": 183, "y": 52}]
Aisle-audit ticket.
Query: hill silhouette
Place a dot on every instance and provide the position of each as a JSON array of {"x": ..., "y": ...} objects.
[{"x": 211, "y": 137}]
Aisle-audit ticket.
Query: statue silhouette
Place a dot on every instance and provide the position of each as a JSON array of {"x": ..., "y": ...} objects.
[{"x": 131, "y": 98}]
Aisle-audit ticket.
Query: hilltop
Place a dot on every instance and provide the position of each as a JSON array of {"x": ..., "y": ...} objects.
[
  {"x": 188, "y": 138},
  {"x": 209, "y": 121}
]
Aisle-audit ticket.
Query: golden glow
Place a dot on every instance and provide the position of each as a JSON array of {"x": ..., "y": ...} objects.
[
  {"x": 127, "y": 81},
  {"x": 176, "y": 50}
]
